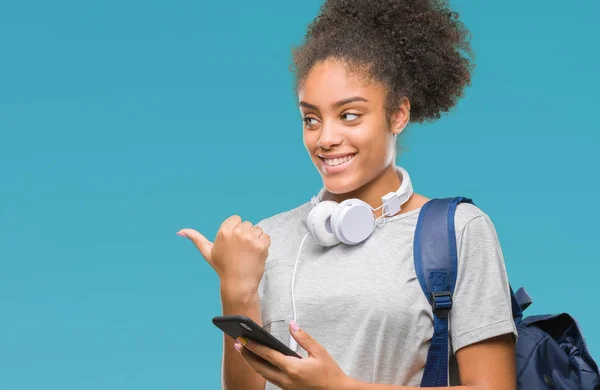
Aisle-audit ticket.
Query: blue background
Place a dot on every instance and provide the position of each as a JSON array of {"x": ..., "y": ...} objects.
[{"x": 122, "y": 122}]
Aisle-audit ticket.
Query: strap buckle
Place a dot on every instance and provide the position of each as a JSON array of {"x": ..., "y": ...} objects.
[{"x": 441, "y": 303}]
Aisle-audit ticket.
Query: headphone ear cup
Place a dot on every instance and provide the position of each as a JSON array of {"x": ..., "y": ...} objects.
[
  {"x": 353, "y": 221},
  {"x": 318, "y": 223}
]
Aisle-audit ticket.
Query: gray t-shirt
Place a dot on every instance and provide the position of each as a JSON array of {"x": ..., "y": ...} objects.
[{"x": 364, "y": 304}]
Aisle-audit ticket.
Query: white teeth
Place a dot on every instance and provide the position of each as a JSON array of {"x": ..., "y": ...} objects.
[{"x": 337, "y": 161}]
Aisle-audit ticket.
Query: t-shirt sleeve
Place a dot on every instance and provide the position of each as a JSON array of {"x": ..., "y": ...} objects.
[{"x": 481, "y": 302}]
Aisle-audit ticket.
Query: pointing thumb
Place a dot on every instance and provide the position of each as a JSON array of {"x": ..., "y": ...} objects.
[{"x": 203, "y": 244}]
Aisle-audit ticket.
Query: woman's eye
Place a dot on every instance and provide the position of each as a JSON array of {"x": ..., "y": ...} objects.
[
  {"x": 307, "y": 119},
  {"x": 351, "y": 114}
]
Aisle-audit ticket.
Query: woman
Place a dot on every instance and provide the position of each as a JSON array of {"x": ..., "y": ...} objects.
[{"x": 367, "y": 69}]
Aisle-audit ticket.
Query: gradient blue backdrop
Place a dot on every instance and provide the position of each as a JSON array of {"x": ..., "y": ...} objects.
[{"x": 124, "y": 121}]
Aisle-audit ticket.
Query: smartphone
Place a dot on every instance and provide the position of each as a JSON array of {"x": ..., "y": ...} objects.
[{"x": 236, "y": 326}]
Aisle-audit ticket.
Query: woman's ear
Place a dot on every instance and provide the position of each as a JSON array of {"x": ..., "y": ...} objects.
[{"x": 401, "y": 116}]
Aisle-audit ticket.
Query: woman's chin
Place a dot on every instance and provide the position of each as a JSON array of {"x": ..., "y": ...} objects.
[{"x": 340, "y": 185}]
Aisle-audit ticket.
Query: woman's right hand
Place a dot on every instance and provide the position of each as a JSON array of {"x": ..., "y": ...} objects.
[{"x": 238, "y": 254}]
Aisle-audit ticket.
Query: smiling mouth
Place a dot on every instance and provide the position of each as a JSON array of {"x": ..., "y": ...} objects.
[{"x": 332, "y": 162}]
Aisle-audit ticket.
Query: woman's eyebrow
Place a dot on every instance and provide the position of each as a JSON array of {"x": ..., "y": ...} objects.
[{"x": 336, "y": 104}]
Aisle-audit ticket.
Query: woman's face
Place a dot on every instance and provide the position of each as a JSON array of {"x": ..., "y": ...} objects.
[{"x": 345, "y": 129}]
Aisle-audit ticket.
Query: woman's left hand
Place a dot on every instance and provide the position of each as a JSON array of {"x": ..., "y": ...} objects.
[{"x": 318, "y": 371}]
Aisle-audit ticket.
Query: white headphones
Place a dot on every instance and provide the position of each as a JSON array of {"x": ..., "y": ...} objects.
[{"x": 352, "y": 221}]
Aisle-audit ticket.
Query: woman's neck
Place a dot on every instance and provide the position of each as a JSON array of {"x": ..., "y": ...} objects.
[{"x": 371, "y": 193}]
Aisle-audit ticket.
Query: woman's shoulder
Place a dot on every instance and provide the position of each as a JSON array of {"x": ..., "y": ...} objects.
[
  {"x": 466, "y": 215},
  {"x": 284, "y": 220},
  {"x": 465, "y": 211},
  {"x": 471, "y": 222}
]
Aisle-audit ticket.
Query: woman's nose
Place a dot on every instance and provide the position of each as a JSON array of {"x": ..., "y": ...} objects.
[{"x": 330, "y": 136}]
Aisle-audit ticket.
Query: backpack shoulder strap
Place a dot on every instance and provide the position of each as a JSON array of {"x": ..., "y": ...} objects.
[{"x": 436, "y": 265}]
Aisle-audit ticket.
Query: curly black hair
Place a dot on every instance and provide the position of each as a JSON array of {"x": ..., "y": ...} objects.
[{"x": 418, "y": 49}]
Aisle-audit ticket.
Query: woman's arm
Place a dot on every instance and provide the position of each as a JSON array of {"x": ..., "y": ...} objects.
[
  {"x": 237, "y": 374},
  {"x": 238, "y": 256},
  {"x": 487, "y": 365}
]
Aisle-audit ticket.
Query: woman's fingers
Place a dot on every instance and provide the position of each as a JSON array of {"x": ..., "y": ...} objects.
[{"x": 201, "y": 242}]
